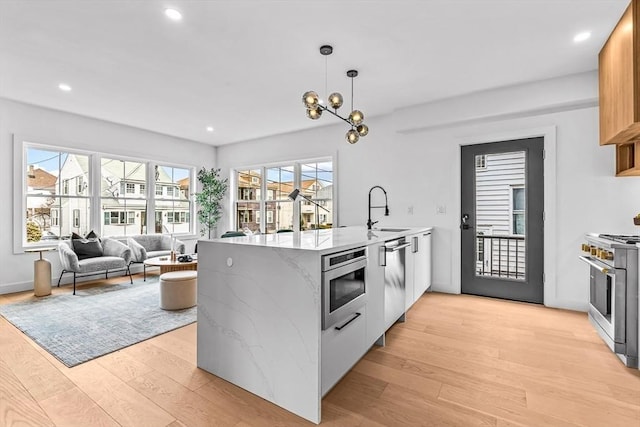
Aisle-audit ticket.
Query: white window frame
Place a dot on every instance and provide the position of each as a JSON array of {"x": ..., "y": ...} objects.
[
  {"x": 513, "y": 211},
  {"x": 297, "y": 164},
  {"x": 76, "y": 218},
  {"x": 55, "y": 217},
  {"x": 21, "y": 144}
]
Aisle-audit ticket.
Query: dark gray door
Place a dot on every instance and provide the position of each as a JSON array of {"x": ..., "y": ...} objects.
[{"x": 501, "y": 220}]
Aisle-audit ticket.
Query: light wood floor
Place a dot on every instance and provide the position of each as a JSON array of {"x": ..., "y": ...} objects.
[{"x": 457, "y": 361}]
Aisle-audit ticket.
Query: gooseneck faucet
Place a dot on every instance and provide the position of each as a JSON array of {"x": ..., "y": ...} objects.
[{"x": 386, "y": 206}]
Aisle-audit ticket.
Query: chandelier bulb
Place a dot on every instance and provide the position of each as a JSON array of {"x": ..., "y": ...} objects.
[
  {"x": 335, "y": 100},
  {"x": 352, "y": 136},
  {"x": 310, "y": 99},
  {"x": 356, "y": 117},
  {"x": 362, "y": 129},
  {"x": 314, "y": 113}
]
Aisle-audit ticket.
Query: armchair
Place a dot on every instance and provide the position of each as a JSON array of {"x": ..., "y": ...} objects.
[{"x": 115, "y": 256}]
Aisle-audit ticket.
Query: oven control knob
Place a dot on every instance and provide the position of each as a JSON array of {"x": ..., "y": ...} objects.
[
  {"x": 594, "y": 250},
  {"x": 585, "y": 247},
  {"x": 609, "y": 256}
]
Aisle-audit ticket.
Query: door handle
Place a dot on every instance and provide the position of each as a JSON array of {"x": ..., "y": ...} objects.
[{"x": 464, "y": 222}]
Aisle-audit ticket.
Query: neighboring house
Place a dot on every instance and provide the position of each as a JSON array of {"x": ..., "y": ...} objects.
[
  {"x": 123, "y": 194},
  {"x": 42, "y": 184},
  {"x": 279, "y": 208},
  {"x": 500, "y": 213}
]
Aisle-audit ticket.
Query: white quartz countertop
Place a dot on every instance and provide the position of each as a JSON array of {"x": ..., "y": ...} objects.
[{"x": 324, "y": 240}]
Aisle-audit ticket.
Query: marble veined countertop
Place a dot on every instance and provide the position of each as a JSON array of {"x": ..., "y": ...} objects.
[{"x": 325, "y": 240}]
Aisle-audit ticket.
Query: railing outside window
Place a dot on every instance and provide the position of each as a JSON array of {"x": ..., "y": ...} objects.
[{"x": 501, "y": 256}]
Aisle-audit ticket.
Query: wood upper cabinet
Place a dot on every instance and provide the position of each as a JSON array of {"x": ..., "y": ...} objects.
[
  {"x": 619, "y": 81},
  {"x": 619, "y": 85}
]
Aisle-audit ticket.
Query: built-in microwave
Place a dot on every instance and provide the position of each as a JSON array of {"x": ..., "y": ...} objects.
[{"x": 344, "y": 288}]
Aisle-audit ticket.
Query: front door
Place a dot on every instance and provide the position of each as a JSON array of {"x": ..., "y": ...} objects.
[{"x": 501, "y": 221}]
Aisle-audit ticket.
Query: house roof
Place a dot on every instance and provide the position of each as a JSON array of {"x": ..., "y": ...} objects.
[{"x": 39, "y": 179}]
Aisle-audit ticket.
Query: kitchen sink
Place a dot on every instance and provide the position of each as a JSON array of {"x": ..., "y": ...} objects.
[{"x": 393, "y": 230}]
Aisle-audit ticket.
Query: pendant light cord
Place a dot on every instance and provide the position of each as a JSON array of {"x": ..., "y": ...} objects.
[{"x": 326, "y": 61}]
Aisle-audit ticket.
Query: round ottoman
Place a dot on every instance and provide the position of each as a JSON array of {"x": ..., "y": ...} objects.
[{"x": 178, "y": 289}]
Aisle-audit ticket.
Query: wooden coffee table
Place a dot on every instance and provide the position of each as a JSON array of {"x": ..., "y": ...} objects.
[{"x": 166, "y": 265}]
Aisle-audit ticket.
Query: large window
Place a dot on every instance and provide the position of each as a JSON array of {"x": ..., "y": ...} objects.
[
  {"x": 275, "y": 211},
  {"x": 119, "y": 203},
  {"x": 57, "y": 200},
  {"x": 61, "y": 198},
  {"x": 173, "y": 205},
  {"x": 316, "y": 184}
]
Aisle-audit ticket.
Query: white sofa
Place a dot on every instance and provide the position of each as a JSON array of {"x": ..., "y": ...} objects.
[{"x": 145, "y": 246}]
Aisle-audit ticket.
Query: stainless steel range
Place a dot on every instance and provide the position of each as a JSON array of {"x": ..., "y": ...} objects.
[{"x": 613, "y": 301}]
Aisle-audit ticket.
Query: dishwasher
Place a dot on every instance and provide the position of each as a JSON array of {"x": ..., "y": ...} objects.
[{"x": 393, "y": 259}]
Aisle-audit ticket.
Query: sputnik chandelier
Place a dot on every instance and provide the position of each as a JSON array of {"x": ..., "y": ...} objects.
[{"x": 315, "y": 106}]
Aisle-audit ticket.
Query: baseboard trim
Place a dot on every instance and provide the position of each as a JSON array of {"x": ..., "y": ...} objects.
[
  {"x": 11, "y": 288},
  {"x": 67, "y": 279}
]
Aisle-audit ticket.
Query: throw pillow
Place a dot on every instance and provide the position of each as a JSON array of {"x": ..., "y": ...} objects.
[
  {"x": 91, "y": 235},
  {"x": 87, "y": 248},
  {"x": 75, "y": 236}
]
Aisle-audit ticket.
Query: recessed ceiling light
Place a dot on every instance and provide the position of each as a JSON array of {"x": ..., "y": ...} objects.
[
  {"x": 580, "y": 37},
  {"x": 173, "y": 14},
  {"x": 209, "y": 128},
  {"x": 64, "y": 87}
]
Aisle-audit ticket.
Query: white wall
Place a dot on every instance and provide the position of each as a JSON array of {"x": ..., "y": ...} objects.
[
  {"x": 415, "y": 155},
  {"x": 58, "y": 128}
]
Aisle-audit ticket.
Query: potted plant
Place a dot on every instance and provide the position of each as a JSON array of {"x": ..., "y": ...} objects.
[{"x": 209, "y": 200}]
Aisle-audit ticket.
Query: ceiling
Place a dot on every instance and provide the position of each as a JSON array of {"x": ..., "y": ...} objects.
[{"x": 241, "y": 66}]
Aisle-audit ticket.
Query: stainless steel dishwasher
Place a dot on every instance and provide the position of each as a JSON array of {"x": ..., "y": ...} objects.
[{"x": 393, "y": 259}]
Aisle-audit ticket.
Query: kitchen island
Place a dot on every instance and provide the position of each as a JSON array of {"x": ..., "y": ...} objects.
[{"x": 260, "y": 312}]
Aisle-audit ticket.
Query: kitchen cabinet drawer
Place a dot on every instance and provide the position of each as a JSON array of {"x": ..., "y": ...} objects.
[{"x": 342, "y": 348}]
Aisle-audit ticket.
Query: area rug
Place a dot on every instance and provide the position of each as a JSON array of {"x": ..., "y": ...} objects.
[{"x": 96, "y": 321}]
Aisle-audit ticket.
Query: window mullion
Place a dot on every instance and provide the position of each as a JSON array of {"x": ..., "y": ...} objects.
[
  {"x": 263, "y": 200},
  {"x": 297, "y": 180}
]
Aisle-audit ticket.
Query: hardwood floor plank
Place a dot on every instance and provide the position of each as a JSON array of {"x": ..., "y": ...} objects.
[
  {"x": 73, "y": 408},
  {"x": 17, "y": 406},
  {"x": 35, "y": 372},
  {"x": 488, "y": 404},
  {"x": 185, "y": 405},
  {"x": 170, "y": 365},
  {"x": 400, "y": 377},
  {"x": 174, "y": 343},
  {"x": 250, "y": 408},
  {"x": 582, "y": 413},
  {"x": 123, "y": 365},
  {"x": 433, "y": 411},
  {"x": 124, "y": 404}
]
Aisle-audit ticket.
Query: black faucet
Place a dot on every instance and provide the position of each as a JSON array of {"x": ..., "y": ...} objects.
[{"x": 386, "y": 207}]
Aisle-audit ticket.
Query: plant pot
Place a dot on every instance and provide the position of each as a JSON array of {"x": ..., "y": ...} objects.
[{"x": 636, "y": 221}]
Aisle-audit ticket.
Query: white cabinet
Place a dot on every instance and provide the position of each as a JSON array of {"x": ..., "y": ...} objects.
[
  {"x": 375, "y": 294},
  {"x": 422, "y": 270},
  {"x": 410, "y": 271},
  {"x": 342, "y": 346},
  {"x": 418, "y": 266}
]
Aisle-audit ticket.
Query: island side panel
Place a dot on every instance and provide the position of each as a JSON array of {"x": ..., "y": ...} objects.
[{"x": 259, "y": 322}]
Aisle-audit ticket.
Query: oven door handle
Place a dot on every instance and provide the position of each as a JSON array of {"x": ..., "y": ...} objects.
[{"x": 601, "y": 269}]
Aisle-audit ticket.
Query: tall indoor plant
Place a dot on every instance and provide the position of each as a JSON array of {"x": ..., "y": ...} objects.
[{"x": 209, "y": 200}]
